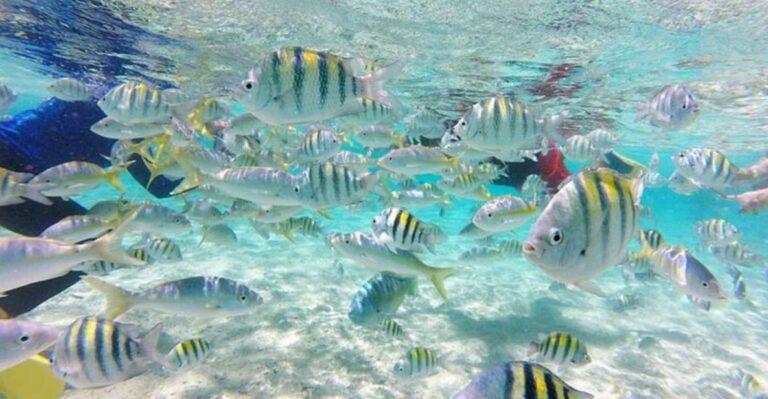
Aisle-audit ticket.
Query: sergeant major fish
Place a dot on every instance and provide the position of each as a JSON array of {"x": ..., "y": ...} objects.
[
  {"x": 586, "y": 227},
  {"x": 295, "y": 85},
  {"x": 379, "y": 298},
  {"x": 399, "y": 229},
  {"x": 519, "y": 380},
  {"x": 673, "y": 108}
]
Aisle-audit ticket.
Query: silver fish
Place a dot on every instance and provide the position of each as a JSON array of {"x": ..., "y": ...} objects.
[
  {"x": 21, "y": 339},
  {"x": 379, "y": 298},
  {"x": 70, "y": 89},
  {"x": 673, "y": 108}
]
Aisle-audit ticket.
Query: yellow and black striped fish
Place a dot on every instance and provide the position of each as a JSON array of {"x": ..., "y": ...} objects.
[
  {"x": 519, "y": 380},
  {"x": 188, "y": 353},
  {"x": 136, "y": 102},
  {"x": 391, "y": 328},
  {"x": 319, "y": 144},
  {"x": 586, "y": 227},
  {"x": 716, "y": 231},
  {"x": 561, "y": 347},
  {"x": 706, "y": 167},
  {"x": 95, "y": 352},
  {"x": 417, "y": 362},
  {"x": 295, "y": 85},
  {"x": 651, "y": 237},
  {"x": 735, "y": 253},
  {"x": 328, "y": 186},
  {"x": 140, "y": 254},
  {"x": 163, "y": 249},
  {"x": 398, "y": 228}
]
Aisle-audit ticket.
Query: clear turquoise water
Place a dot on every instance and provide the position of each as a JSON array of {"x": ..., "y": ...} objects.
[{"x": 300, "y": 343}]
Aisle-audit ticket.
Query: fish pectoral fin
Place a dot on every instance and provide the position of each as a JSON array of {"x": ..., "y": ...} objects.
[{"x": 591, "y": 287}]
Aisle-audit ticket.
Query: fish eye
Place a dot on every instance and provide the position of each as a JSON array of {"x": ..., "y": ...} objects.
[
  {"x": 243, "y": 298},
  {"x": 346, "y": 241},
  {"x": 248, "y": 85},
  {"x": 684, "y": 106},
  {"x": 704, "y": 284},
  {"x": 296, "y": 189},
  {"x": 390, "y": 158},
  {"x": 490, "y": 215},
  {"x": 555, "y": 236},
  {"x": 23, "y": 339},
  {"x": 177, "y": 220}
]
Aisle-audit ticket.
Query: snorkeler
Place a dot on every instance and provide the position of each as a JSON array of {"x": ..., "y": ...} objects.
[{"x": 55, "y": 132}]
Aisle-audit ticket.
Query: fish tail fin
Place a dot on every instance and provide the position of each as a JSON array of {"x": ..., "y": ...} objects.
[
  {"x": 190, "y": 182},
  {"x": 551, "y": 129},
  {"x": 109, "y": 246},
  {"x": 32, "y": 192},
  {"x": 438, "y": 277},
  {"x": 119, "y": 300},
  {"x": 373, "y": 84},
  {"x": 148, "y": 345},
  {"x": 112, "y": 176},
  {"x": 204, "y": 234},
  {"x": 413, "y": 286},
  {"x": 644, "y": 111}
]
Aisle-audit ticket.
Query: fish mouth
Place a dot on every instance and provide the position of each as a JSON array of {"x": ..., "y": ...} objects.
[{"x": 530, "y": 250}]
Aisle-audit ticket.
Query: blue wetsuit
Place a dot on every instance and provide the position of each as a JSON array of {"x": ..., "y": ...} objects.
[{"x": 35, "y": 140}]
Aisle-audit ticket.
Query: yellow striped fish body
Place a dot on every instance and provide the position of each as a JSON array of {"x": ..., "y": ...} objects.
[
  {"x": 140, "y": 253},
  {"x": 503, "y": 213},
  {"x": 70, "y": 89},
  {"x": 562, "y": 348},
  {"x": 296, "y": 85},
  {"x": 78, "y": 228},
  {"x": 706, "y": 167},
  {"x": 328, "y": 185},
  {"x": 399, "y": 229},
  {"x": 579, "y": 148},
  {"x": 319, "y": 144},
  {"x": 682, "y": 269},
  {"x": 303, "y": 225},
  {"x": 417, "y": 160},
  {"x": 102, "y": 267},
  {"x": 735, "y": 253},
  {"x": 461, "y": 184},
  {"x": 651, "y": 237},
  {"x": 377, "y": 136},
  {"x": 136, "y": 102},
  {"x": 188, "y": 353},
  {"x": 716, "y": 232},
  {"x": 94, "y": 352},
  {"x": 207, "y": 110},
  {"x": 164, "y": 249},
  {"x": 519, "y": 380},
  {"x": 500, "y": 125},
  {"x": 417, "y": 362},
  {"x": 603, "y": 139},
  {"x": 586, "y": 227},
  {"x": 379, "y": 298},
  {"x": 74, "y": 177},
  {"x": 391, "y": 328}
]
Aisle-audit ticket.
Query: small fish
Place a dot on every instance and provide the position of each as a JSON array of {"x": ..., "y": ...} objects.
[
  {"x": 377, "y": 136},
  {"x": 94, "y": 352},
  {"x": 163, "y": 249},
  {"x": 159, "y": 220},
  {"x": 391, "y": 328},
  {"x": 399, "y": 229},
  {"x": 262, "y": 185},
  {"x": 416, "y": 160},
  {"x": 295, "y": 85},
  {"x": 303, "y": 225},
  {"x": 419, "y": 198},
  {"x": 586, "y": 227},
  {"x": 579, "y": 148},
  {"x": 187, "y": 354},
  {"x": 113, "y": 129},
  {"x": 203, "y": 211},
  {"x": 652, "y": 237},
  {"x": 706, "y": 168},
  {"x": 602, "y": 139},
  {"x": 21, "y": 339},
  {"x": 242, "y": 125},
  {"x": 481, "y": 254},
  {"x": 749, "y": 386},
  {"x": 504, "y": 213},
  {"x": 716, "y": 232},
  {"x": 199, "y": 296},
  {"x": 425, "y": 122},
  {"x": 70, "y": 89},
  {"x": 625, "y": 302},
  {"x": 319, "y": 144},
  {"x": 519, "y": 380},
  {"x": 136, "y": 102},
  {"x": 417, "y": 362},
  {"x": 27, "y": 260},
  {"x": 379, "y": 298},
  {"x": 561, "y": 347},
  {"x": 735, "y": 253},
  {"x": 275, "y": 214},
  {"x": 682, "y": 269},
  {"x": 513, "y": 248},
  {"x": 219, "y": 234},
  {"x": 674, "y": 107},
  {"x": 533, "y": 188},
  {"x": 366, "y": 250},
  {"x": 503, "y": 127},
  {"x": 77, "y": 228},
  {"x": 739, "y": 286},
  {"x": 15, "y": 188},
  {"x": 360, "y": 163},
  {"x": 74, "y": 177},
  {"x": 325, "y": 186},
  {"x": 681, "y": 184},
  {"x": 7, "y": 97},
  {"x": 140, "y": 253}
]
